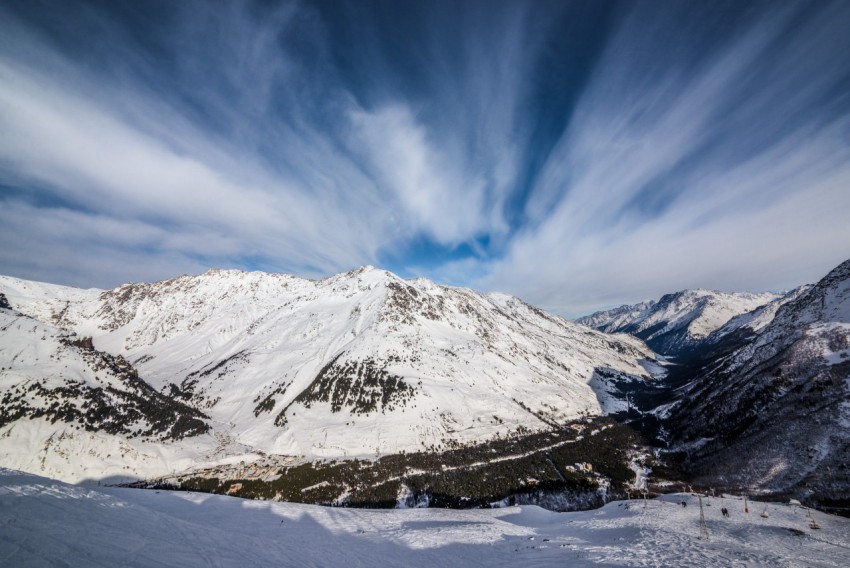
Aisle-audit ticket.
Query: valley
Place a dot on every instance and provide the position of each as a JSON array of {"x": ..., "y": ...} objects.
[{"x": 367, "y": 390}]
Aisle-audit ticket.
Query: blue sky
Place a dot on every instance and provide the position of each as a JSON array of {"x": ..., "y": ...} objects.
[{"x": 577, "y": 154}]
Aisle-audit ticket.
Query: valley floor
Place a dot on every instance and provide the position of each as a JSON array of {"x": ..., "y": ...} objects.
[{"x": 49, "y": 523}]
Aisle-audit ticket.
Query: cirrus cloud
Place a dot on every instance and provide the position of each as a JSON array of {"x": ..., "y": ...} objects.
[{"x": 576, "y": 155}]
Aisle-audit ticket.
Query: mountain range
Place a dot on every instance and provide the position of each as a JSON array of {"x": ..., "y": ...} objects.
[
  {"x": 772, "y": 410},
  {"x": 677, "y": 323},
  {"x": 358, "y": 365},
  {"x": 189, "y": 381},
  {"x": 760, "y": 401}
]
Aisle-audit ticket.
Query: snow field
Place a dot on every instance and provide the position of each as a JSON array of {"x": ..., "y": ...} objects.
[{"x": 50, "y": 523}]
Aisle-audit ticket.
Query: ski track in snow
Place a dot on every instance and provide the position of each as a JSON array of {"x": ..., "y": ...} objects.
[{"x": 49, "y": 523}]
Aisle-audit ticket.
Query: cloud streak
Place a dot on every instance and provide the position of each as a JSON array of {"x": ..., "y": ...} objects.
[
  {"x": 729, "y": 170},
  {"x": 500, "y": 145}
]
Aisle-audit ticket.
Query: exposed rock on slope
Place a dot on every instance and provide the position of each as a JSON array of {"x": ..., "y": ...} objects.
[
  {"x": 65, "y": 405},
  {"x": 774, "y": 414}
]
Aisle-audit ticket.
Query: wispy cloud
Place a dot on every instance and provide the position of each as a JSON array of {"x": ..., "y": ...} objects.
[
  {"x": 726, "y": 169},
  {"x": 247, "y": 146},
  {"x": 690, "y": 146},
  {"x": 131, "y": 155}
]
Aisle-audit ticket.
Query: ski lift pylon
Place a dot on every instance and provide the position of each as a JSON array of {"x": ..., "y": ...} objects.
[{"x": 813, "y": 523}]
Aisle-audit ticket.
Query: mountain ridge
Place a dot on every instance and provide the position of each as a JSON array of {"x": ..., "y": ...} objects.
[
  {"x": 772, "y": 414},
  {"x": 358, "y": 364},
  {"x": 677, "y": 323}
]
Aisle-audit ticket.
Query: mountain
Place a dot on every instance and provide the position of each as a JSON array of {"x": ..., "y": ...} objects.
[
  {"x": 734, "y": 334},
  {"x": 753, "y": 321},
  {"x": 773, "y": 414},
  {"x": 677, "y": 323},
  {"x": 367, "y": 389},
  {"x": 70, "y": 410},
  {"x": 244, "y": 365}
]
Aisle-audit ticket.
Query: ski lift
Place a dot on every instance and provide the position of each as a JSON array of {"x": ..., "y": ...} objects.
[{"x": 812, "y": 522}]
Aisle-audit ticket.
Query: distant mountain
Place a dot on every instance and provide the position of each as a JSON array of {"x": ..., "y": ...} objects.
[
  {"x": 753, "y": 321},
  {"x": 677, "y": 323},
  {"x": 773, "y": 414},
  {"x": 737, "y": 332},
  {"x": 148, "y": 379}
]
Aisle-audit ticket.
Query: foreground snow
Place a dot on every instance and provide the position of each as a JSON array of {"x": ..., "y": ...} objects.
[{"x": 50, "y": 523}]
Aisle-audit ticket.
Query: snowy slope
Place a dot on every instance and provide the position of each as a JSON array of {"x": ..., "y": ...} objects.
[
  {"x": 66, "y": 407},
  {"x": 774, "y": 414},
  {"x": 677, "y": 322},
  {"x": 49, "y": 523},
  {"x": 753, "y": 321},
  {"x": 359, "y": 364}
]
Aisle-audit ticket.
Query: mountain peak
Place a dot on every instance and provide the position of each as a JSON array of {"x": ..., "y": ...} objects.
[
  {"x": 677, "y": 320},
  {"x": 224, "y": 271},
  {"x": 359, "y": 364},
  {"x": 766, "y": 408}
]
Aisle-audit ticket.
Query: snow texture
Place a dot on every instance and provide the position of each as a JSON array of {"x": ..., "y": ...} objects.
[{"x": 50, "y": 523}]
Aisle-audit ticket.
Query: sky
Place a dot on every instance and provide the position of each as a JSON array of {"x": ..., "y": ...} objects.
[{"x": 577, "y": 154}]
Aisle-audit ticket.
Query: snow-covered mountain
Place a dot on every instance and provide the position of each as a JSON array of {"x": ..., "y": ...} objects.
[
  {"x": 70, "y": 410},
  {"x": 356, "y": 365},
  {"x": 753, "y": 321},
  {"x": 774, "y": 413},
  {"x": 675, "y": 324},
  {"x": 737, "y": 332}
]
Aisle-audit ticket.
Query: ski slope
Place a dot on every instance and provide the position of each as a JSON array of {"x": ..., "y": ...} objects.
[{"x": 50, "y": 523}]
